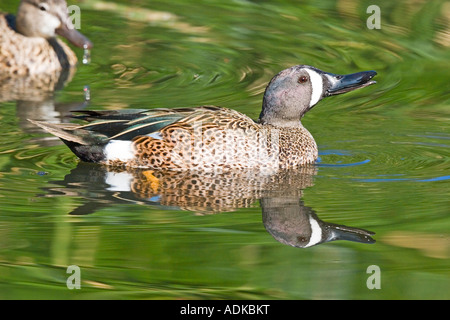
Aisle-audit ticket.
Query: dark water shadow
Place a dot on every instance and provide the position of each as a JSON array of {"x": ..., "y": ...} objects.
[{"x": 284, "y": 214}]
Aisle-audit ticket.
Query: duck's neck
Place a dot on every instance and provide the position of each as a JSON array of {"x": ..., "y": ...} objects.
[
  {"x": 279, "y": 119},
  {"x": 282, "y": 123},
  {"x": 283, "y": 115}
]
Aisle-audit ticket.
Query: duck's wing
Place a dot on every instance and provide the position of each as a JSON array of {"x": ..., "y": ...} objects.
[{"x": 103, "y": 126}]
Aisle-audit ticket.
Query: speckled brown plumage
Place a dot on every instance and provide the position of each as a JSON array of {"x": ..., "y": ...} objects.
[
  {"x": 219, "y": 138},
  {"x": 22, "y": 56}
]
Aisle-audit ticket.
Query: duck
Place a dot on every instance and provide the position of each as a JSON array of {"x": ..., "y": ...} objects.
[
  {"x": 211, "y": 138},
  {"x": 28, "y": 43}
]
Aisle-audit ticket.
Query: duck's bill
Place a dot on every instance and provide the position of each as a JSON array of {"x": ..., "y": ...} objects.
[
  {"x": 340, "y": 232},
  {"x": 344, "y": 83},
  {"x": 75, "y": 37}
]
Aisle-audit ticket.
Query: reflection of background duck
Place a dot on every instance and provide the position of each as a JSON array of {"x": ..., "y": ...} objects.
[
  {"x": 33, "y": 103},
  {"x": 284, "y": 215},
  {"x": 33, "y": 88}
]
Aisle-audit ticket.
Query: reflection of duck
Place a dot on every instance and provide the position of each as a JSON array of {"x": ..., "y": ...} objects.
[
  {"x": 209, "y": 137},
  {"x": 28, "y": 43},
  {"x": 203, "y": 193},
  {"x": 290, "y": 222},
  {"x": 284, "y": 215}
]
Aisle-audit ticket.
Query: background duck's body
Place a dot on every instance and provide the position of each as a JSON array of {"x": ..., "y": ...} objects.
[
  {"x": 28, "y": 56},
  {"x": 28, "y": 43}
]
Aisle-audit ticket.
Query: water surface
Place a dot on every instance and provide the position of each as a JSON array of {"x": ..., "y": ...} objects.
[{"x": 384, "y": 159}]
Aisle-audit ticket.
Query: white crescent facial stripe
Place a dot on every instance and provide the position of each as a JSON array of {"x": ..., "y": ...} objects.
[
  {"x": 316, "y": 233},
  {"x": 316, "y": 86}
]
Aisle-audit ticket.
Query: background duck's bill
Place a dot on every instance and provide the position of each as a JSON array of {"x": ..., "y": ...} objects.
[{"x": 75, "y": 37}]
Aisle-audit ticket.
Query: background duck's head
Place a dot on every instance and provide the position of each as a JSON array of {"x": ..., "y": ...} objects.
[
  {"x": 294, "y": 91},
  {"x": 46, "y": 19}
]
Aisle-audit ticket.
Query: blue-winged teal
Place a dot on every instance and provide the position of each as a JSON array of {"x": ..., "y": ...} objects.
[
  {"x": 210, "y": 137},
  {"x": 28, "y": 44}
]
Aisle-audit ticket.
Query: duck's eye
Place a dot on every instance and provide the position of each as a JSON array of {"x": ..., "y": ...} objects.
[
  {"x": 43, "y": 7},
  {"x": 302, "y": 79}
]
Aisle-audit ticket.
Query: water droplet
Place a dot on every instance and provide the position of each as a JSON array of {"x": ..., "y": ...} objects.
[
  {"x": 87, "y": 93},
  {"x": 86, "y": 55}
]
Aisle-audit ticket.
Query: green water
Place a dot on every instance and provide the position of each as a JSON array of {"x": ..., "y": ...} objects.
[{"x": 384, "y": 157}]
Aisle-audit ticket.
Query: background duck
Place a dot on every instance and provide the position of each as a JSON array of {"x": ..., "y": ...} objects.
[
  {"x": 28, "y": 43},
  {"x": 210, "y": 137}
]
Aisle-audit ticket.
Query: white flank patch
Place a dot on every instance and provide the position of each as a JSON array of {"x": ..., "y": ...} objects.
[
  {"x": 119, "y": 150},
  {"x": 316, "y": 85},
  {"x": 119, "y": 181},
  {"x": 316, "y": 233}
]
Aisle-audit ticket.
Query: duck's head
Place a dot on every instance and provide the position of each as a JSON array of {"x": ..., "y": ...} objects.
[
  {"x": 294, "y": 91},
  {"x": 46, "y": 19}
]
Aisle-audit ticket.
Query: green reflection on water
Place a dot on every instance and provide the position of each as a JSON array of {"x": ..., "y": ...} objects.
[{"x": 384, "y": 156}]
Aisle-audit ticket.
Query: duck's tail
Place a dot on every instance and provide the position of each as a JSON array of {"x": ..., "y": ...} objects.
[
  {"x": 87, "y": 145},
  {"x": 66, "y": 131}
]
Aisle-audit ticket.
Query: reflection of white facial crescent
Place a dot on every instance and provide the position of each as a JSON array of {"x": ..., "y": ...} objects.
[{"x": 316, "y": 233}]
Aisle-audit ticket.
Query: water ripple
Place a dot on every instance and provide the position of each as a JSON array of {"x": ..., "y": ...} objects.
[
  {"x": 396, "y": 161},
  {"x": 442, "y": 178}
]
